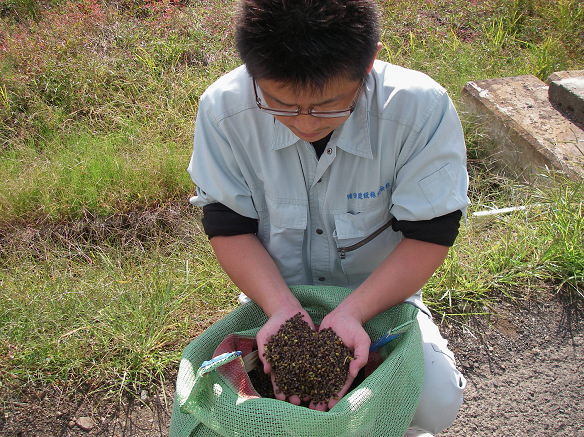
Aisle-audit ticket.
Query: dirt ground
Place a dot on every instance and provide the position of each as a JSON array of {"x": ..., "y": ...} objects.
[{"x": 523, "y": 366}]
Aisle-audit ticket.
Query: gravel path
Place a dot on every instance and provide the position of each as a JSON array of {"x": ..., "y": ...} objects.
[{"x": 524, "y": 371}]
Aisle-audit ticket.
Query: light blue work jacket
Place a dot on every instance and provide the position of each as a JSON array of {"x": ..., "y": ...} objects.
[{"x": 400, "y": 154}]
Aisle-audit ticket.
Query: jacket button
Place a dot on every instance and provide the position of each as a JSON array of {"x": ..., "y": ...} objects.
[
  {"x": 329, "y": 151},
  {"x": 321, "y": 279},
  {"x": 319, "y": 231}
]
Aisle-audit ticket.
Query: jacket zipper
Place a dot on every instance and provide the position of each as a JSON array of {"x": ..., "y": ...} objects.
[{"x": 343, "y": 250}]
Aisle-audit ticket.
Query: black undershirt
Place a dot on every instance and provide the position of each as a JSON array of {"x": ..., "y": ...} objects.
[
  {"x": 441, "y": 230},
  {"x": 320, "y": 145},
  {"x": 220, "y": 220}
]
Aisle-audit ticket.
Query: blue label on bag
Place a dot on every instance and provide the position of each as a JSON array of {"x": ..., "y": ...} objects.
[{"x": 219, "y": 358}]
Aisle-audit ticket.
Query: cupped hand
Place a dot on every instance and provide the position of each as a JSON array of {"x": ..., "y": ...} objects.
[
  {"x": 350, "y": 330},
  {"x": 267, "y": 331}
]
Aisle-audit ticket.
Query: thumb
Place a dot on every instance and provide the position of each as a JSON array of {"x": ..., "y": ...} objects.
[
  {"x": 263, "y": 360},
  {"x": 360, "y": 359}
]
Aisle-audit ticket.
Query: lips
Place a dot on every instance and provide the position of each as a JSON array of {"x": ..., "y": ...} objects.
[{"x": 311, "y": 136}]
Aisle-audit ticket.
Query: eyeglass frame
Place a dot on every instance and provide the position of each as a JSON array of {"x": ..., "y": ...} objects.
[{"x": 310, "y": 111}]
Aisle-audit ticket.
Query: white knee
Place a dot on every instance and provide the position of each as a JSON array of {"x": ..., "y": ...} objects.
[
  {"x": 443, "y": 384},
  {"x": 242, "y": 298}
]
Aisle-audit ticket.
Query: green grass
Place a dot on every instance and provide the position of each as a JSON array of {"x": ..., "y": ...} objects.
[
  {"x": 67, "y": 175},
  {"x": 97, "y": 108},
  {"x": 456, "y": 42},
  {"x": 106, "y": 318},
  {"x": 523, "y": 254},
  {"x": 94, "y": 102},
  {"x": 114, "y": 316}
]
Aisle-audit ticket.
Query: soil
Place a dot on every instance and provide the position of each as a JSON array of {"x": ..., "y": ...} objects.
[
  {"x": 524, "y": 371},
  {"x": 261, "y": 382},
  {"x": 523, "y": 366}
]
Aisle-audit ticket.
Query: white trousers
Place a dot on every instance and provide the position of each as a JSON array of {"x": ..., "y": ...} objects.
[{"x": 443, "y": 384}]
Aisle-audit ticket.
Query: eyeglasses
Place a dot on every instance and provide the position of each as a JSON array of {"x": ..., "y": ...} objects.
[{"x": 310, "y": 111}]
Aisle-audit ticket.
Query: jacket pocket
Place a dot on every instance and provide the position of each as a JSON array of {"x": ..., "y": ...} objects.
[
  {"x": 364, "y": 240},
  {"x": 285, "y": 239}
]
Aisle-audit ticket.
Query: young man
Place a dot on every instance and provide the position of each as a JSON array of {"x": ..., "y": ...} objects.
[{"x": 316, "y": 164}]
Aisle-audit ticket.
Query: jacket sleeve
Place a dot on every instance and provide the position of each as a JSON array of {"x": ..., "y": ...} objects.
[
  {"x": 214, "y": 168},
  {"x": 431, "y": 178}
]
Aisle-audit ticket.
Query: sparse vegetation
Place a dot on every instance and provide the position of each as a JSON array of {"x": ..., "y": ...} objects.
[{"x": 104, "y": 275}]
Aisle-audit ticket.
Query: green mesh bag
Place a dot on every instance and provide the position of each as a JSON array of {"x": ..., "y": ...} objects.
[{"x": 214, "y": 397}]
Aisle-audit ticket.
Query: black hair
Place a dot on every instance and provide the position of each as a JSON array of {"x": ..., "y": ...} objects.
[{"x": 307, "y": 43}]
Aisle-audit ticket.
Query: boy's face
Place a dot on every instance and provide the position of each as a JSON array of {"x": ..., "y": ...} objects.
[{"x": 337, "y": 96}]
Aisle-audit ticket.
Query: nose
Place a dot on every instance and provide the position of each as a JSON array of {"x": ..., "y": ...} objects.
[{"x": 307, "y": 123}]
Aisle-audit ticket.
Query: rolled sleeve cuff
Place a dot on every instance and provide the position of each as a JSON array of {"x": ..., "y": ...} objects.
[
  {"x": 441, "y": 230},
  {"x": 219, "y": 220}
]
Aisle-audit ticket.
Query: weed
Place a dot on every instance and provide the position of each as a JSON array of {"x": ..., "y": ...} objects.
[
  {"x": 4, "y": 97},
  {"x": 562, "y": 239},
  {"x": 502, "y": 31},
  {"x": 546, "y": 57},
  {"x": 517, "y": 253},
  {"x": 86, "y": 67}
]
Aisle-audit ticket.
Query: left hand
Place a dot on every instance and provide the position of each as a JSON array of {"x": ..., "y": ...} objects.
[{"x": 350, "y": 330}]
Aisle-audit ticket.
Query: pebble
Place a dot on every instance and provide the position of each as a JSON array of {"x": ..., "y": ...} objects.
[
  {"x": 144, "y": 395},
  {"x": 85, "y": 423}
]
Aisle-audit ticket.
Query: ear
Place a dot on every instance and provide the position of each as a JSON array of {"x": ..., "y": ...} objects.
[{"x": 379, "y": 46}]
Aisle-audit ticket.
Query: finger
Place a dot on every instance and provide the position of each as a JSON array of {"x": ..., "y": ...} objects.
[
  {"x": 333, "y": 402},
  {"x": 265, "y": 363},
  {"x": 318, "y": 406},
  {"x": 294, "y": 399},
  {"x": 308, "y": 320},
  {"x": 342, "y": 392}
]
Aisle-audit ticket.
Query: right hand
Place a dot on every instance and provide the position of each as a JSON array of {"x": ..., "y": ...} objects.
[{"x": 267, "y": 331}]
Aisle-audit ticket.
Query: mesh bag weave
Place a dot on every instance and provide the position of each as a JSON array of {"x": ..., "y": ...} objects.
[{"x": 216, "y": 398}]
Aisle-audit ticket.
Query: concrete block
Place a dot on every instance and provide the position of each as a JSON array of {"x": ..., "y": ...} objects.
[
  {"x": 528, "y": 134},
  {"x": 559, "y": 75},
  {"x": 567, "y": 95}
]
